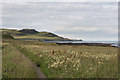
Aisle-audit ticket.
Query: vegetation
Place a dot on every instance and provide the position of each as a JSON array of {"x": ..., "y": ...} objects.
[
  {"x": 14, "y": 64},
  {"x": 7, "y": 36},
  {"x": 32, "y": 34},
  {"x": 0, "y": 61},
  {"x": 21, "y": 49},
  {"x": 65, "y": 61}
]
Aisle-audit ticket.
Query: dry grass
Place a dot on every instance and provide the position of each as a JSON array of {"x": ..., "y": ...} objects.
[
  {"x": 76, "y": 61},
  {"x": 15, "y": 65},
  {"x": 58, "y": 61}
]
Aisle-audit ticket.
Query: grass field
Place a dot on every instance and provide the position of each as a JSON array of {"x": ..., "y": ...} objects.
[
  {"x": 34, "y": 37},
  {"x": 57, "y": 61},
  {"x": 14, "y": 64}
]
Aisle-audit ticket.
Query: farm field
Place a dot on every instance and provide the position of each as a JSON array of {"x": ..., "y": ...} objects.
[{"x": 62, "y": 61}]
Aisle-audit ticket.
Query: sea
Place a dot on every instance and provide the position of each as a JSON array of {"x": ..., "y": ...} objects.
[{"x": 113, "y": 43}]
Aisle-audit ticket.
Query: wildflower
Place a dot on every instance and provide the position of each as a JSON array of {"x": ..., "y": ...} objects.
[
  {"x": 86, "y": 53},
  {"x": 74, "y": 65},
  {"x": 77, "y": 69},
  {"x": 46, "y": 62},
  {"x": 52, "y": 65},
  {"x": 61, "y": 62},
  {"x": 40, "y": 55},
  {"x": 115, "y": 54},
  {"x": 48, "y": 66},
  {"x": 99, "y": 62},
  {"x": 70, "y": 55},
  {"x": 65, "y": 58},
  {"x": 91, "y": 68},
  {"x": 34, "y": 53},
  {"x": 106, "y": 58},
  {"x": 65, "y": 66},
  {"x": 78, "y": 60},
  {"x": 53, "y": 52}
]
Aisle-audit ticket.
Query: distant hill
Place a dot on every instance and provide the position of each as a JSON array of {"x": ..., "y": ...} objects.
[
  {"x": 28, "y": 31},
  {"x": 32, "y": 34}
]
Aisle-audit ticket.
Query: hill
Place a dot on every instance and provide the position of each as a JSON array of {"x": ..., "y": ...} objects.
[
  {"x": 28, "y": 31},
  {"x": 6, "y": 36},
  {"x": 32, "y": 34}
]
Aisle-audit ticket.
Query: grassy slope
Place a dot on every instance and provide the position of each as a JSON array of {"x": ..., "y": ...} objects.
[
  {"x": 7, "y": 36},
  {"x": 72, "y": 61},
  {"x": 40, "y": 35},
  {"x": 15, "y": 65}
]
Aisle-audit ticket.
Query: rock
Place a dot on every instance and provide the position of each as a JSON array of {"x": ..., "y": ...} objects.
[{"x": 29, "y": 31}]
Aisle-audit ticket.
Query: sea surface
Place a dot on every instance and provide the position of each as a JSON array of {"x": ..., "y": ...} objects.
[{"x": 113, "y": 43}]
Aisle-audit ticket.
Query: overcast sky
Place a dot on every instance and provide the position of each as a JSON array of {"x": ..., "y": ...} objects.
[{"x": 86, "y": 20}]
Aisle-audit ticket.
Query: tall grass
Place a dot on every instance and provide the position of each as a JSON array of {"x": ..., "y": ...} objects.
[
  {"x": 58, "y": 61},
  {"x": 15, "y": 65},
  {"x": 38, "y": 61},
  {"x": 74, "y": 61},
  {"x": 0, "y": 61}
]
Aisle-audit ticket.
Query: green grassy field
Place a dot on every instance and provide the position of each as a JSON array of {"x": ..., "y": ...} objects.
[
  {"x": 62, "y": 61},
  {"x": 34, "y": 37}
]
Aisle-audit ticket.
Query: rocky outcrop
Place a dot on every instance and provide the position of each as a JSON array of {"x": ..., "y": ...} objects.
[{"x": 29, "y": 31}]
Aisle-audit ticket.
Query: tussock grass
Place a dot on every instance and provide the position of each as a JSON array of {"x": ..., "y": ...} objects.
[
  {"x": 15, "y": 65},
  {"x": 65, "y": 61},
  {"x": 74, "y": 61},
  {"x": 38, "y": 61}
]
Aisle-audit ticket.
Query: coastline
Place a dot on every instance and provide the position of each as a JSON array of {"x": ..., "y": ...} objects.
[{"x": 87, "y": 44}]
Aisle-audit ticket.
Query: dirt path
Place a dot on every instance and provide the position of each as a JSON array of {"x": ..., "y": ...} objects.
[
  {"x": 39, "y": 72},
  {"x": 37, "y": 69}
]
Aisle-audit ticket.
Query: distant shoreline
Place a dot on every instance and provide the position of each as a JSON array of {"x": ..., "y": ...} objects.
[
  {"x": 86, "y": 44},
  {"x": 92, "y": 43}
]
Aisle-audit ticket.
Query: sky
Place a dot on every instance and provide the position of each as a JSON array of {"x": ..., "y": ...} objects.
[
  {"x": 59, "y": 0},
  {"x": 90, "y": 21}
]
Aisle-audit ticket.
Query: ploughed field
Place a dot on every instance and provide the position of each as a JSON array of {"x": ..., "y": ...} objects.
[{"x": 65, "y": 61}]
